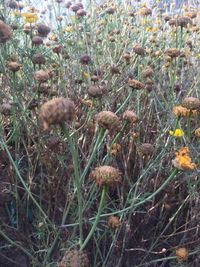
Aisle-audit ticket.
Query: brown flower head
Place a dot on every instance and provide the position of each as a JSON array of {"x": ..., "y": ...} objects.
[
  {"x": 56, "y": 111},
  {"x": 180, "y": 111},
  {"x": 81, "y": 13},
  {"x": 38, "y": 59},
  {"x": 37, "y": 40},
  {"x": 182, "y": 254},
  {"x": 191, "y": 103},
  {"x": 13, "y": 66},
  {"x": 5, "y": 32},
  {"x": 184, "y": 22},
  {"x": 68, "y": 4},
  {"x": 130, "y": 116},
  {"x": 96, "y": 90},
  {"x": 172, "y": 22},
  {"x": 197, "y": 132},
  {"x": 146, "y": 149},
  {"x": 74, "y": 258},
  {"x": 135, "y": 84},
  {"x": 107, "y": 120},
  {"x": 85, "y": 59},
  {"x": 41, "y": 76},
  {"x": 139, "y": 50},
  {"x": 43, "y": 30},
  {"x": 13, "y": 4},
  {"x": 113, "y": 222},
  {"x": 110, "y": 10},
  {"x": 145, "y": 11},
  {"x": 105, "y": 175},
  {"x": 147, "y": 73},
  {"x": 173, "y": 52},
  {"x": 6, "y": 109}
]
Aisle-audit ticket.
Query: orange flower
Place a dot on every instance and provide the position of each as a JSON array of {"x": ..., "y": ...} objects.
[{"x": 183, "y": 161}]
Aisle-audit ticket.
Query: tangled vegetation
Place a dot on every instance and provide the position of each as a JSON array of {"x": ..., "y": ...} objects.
[{"x": 99, "y": 136}]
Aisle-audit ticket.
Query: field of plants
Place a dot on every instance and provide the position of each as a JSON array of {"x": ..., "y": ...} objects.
[{"x": 99, "y": 135}]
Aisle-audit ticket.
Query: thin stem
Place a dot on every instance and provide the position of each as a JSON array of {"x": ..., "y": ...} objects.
[
  {"x": 75, "y": 159},
  {"x": 103, "y": 194}
]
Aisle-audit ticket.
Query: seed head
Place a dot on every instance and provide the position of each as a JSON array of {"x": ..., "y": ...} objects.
[
  {"x": 113, "y": 222},
  {"x": 56, "y": 111},
  {"x": 107, "y": 120},
  {"x": 37, "y": 40},
  {"x": 182, "y": 254},
  {"x": 96, "y": 90},
  {"x": 43, "y": 30},
  {"x": 105, "y": 175},
  {"x": 146, "y": 149},
  {"x": 38, "y": 59},
  {"x": 41, "y": 76},
  {"x": 139, "y": 50},
  {"x": 191, "y": 103},
  {"x": 147, "y": 73},
  {"x": 74, "y": 258},
  {"x": 130, "y": 116},
  {"x": 135, "y": 84},
  {"x": 173, "y": 52},
  {"x": 5, "y": 32},
  {"x": 13, "y": 66}
]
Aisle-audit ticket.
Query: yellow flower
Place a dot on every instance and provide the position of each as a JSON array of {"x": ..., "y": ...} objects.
[
  {"x": 183, "y": 161},
  {"x": 30, "y": 17},
  {"x": 177, "y": 133}
]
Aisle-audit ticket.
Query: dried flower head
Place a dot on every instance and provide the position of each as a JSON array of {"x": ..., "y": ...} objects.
[
  {"x": 107, "y": 120},
  {"x": 85, "y": 59},
  {"x": 110, "y": 10},
  {"x": 37, "y": 40},
  {"x": 74, "y": 258},
  {"x": 13, "y": 66},
  {"x": 96, "y": 90},
  {"x": 180, "y": 111},
  {"x": 182, "y": 254},
  {"x": 38, "y": 59},
  {"x": 6, "y": 109},
  {"x": 43, "y": 30},
  {"x": 115, "y": 149},
  {"x": 197, "y": 132},
  {"x": 173, "y": 52},
  {"x": 113, "y": 222},
  {"x": 184, "y": 21},
  {"x": 5, "y": 32},
  {"x": 135, "y": 84},
  {"x": 147, "y": 73},
  {"x": 139, "y": 50},
  {"x": 57, "y": 111},
  {"x": 41, "y": 76},
  {"x": 13, "y": 4},
  {"x": 145, "y": 11},
  {"x": 81, "y": 13},
  {"x": 146, "y": 149},
  {"x": 191, "y": 103},
  {"x": 183, "y": 161},
  {"x": 130, "y": 116},
  {"x": 105, "y": 175}
]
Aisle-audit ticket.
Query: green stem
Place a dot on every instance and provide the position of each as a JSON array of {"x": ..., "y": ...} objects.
[
  {"x": 74, "y": 154},
  {"x": 98, "y": 141},
  {"x": 103, "y": 194}
]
